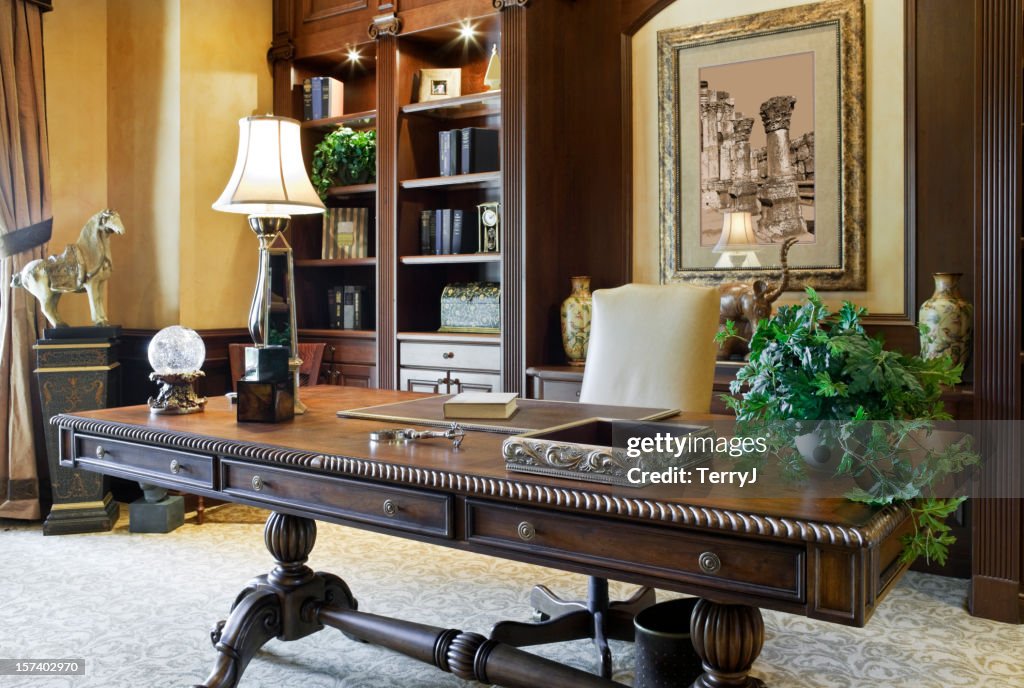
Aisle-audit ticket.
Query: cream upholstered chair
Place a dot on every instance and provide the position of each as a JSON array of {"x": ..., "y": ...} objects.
[{"x": 650, "y": 346}]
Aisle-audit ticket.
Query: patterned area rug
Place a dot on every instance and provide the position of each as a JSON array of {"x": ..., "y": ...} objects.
[{"x": 138, "y": 609}]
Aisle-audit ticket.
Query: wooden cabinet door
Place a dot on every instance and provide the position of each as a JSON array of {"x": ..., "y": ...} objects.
[{"x": 356, "y": 375}]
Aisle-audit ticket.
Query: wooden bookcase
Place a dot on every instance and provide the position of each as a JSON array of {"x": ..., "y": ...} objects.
[{"x": 560, "y": 183}]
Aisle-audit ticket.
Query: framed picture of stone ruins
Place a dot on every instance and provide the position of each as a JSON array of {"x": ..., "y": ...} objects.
[{"x": 761, "y": 132}]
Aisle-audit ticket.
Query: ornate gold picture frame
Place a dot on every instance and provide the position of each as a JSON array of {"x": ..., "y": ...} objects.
[{"x": 762, "y": 117}]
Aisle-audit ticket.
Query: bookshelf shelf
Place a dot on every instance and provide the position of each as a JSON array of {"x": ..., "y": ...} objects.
[
  {"x": 333, "y": 262},
  {"x": 466, "y": 337},
  {"x": 450, "y": 259},
  {"x": 460, "y": 107},
  {"x": 356, "y": 120},
  {"x": 342, "y": 334},
  {"x": 351, "y": 190},
  {"x": 478, "y": 180}
]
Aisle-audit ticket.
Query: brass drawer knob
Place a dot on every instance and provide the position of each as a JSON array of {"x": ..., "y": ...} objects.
[
  {"x": 709, "y": 562},
  {"x": 100, "y": 451},
  {"x": 257, "y": 483},
  {"x": 390, "y": 507},
  {"x": 448, "y": 355},
  {"x": 175, "y": 466},
  {"x": 526, "y": 531}
]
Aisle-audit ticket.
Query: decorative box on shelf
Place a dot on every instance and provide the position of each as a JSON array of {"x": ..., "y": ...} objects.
[{"x": 471, "y": 307}]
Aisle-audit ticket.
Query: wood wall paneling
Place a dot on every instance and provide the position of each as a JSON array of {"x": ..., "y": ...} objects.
[
  {"x": 997, "y": 562},
  {"x": 576, "y": 159},
  {"x": 514, "y": 55},
  {"x": 387, "y": 218},
  {"x": 942, "y": 150}
]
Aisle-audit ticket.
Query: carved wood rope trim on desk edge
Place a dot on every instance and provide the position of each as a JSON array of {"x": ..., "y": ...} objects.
[{"x": 881, "y": 525}]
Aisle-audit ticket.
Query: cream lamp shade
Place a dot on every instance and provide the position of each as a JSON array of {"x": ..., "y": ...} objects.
[
  {"x": 270, "y": 177},
  {"x": 737, "y": 233},
  {"x": 737, "y": 240}
]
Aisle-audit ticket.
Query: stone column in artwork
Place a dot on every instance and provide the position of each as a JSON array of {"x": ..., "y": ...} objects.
[
  {"x": 779, "y": 196},
  {"x": 726, "y": 114},
  {"x": 743, "y": 189}
]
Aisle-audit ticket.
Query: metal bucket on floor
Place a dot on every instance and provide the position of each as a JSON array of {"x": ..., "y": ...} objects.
[{"x": 665, "y": 657}]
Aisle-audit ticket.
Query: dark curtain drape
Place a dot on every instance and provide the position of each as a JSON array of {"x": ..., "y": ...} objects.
[{"x": 24, "y": 230}]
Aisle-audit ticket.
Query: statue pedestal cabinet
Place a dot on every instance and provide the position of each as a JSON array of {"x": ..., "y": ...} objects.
[{"x": 77, "y": 370}]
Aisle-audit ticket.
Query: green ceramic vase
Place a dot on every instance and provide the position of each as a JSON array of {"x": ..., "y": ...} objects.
[
  {"x": 946, "y": 321},
  {"x": 576, "y": 312}
]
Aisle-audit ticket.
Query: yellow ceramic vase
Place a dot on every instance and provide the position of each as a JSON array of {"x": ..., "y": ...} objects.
[
  {"x": 946, "y": 321},
  {"x": 576, "y": 312}
]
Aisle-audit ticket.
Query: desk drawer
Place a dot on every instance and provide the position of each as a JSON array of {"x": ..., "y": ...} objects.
[
  {"x": 396, "y": 508},
  {"x": 726, "y": 563},
  {"x": 450, "y": 356},
  {"x": 446, "y": 381},
  {"x": 139, "y": 462},
  {"x": 557, "y": 390}
]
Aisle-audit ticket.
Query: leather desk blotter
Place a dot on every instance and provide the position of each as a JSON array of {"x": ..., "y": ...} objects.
[{"x": 531, "y": 414}]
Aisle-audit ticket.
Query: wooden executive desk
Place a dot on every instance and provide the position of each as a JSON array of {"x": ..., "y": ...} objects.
[{"x": 826, "y": 559}]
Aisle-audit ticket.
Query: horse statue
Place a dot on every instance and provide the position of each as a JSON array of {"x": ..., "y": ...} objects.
[{"x": 84, "y": 266}]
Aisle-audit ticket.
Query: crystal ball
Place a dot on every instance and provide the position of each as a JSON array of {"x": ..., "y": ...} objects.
[{"x": 176, "y": 350}]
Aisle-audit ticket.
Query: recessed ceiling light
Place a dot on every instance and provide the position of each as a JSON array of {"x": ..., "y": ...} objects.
[{"x": 466, "y": 30}]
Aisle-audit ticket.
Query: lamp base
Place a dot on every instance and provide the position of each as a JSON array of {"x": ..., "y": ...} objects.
[
  {"x": 265, "y": 402},
  {"x": 293, "y": 367},
  {"x": 177, "y": 395},
  {"x": 749, "y": 260}
]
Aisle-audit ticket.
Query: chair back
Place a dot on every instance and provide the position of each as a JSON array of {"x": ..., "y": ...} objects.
[
  {"x": 652, "y": 345},
  {"x": 311, "y": 353}
]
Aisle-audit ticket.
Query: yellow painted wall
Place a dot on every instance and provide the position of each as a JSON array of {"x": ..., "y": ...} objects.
[
  {"x": 224, "y": 76},
  {"x": 144, "y": 134},
  {"x": 143, "y": 103},
  {"x": 76, "y": 110},
  {"x": 885, "y": 144}
]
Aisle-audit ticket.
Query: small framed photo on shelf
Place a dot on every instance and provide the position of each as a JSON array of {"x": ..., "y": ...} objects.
[{"x": 436, "y": 84}]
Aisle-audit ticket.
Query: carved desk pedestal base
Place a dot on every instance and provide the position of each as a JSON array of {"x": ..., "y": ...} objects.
[
  {"x": 728, "y": 638},
  {"x": 293, "y": 601},
  {"x": 597, "y": 618}
]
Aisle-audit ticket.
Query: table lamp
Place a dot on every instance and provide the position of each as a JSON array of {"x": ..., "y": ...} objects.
[
  {"x": 270, "y": 184},
  {"x": 737, "y": 240}
]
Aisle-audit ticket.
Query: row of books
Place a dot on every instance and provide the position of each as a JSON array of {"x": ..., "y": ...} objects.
[
  {"x": 347, "y": 306},
  {"x": 322, "y": 97},
  {"x": 469, "y": 150},
  {"x": 346, "y": 233},
  {"x": 442, "y": 232}
]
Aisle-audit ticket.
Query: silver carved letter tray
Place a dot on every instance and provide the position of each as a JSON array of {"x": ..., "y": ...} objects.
[{"x": 598, "y": 449}]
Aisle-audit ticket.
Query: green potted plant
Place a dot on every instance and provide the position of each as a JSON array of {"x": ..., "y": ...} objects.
[
  {"x": 344, "y": 157},
  {"x": 814, "y": 372}
]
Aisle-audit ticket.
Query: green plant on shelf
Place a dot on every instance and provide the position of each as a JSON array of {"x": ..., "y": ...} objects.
[
  {"x": 869, "y": 413},
  {"x": 344, "y": 157}
]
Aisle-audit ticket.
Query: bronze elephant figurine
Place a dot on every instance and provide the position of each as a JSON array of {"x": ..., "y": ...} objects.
[{"x": 747, "y": 304}]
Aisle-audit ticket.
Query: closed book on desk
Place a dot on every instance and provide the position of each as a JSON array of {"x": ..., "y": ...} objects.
[{"x": 481, "y": 405}]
